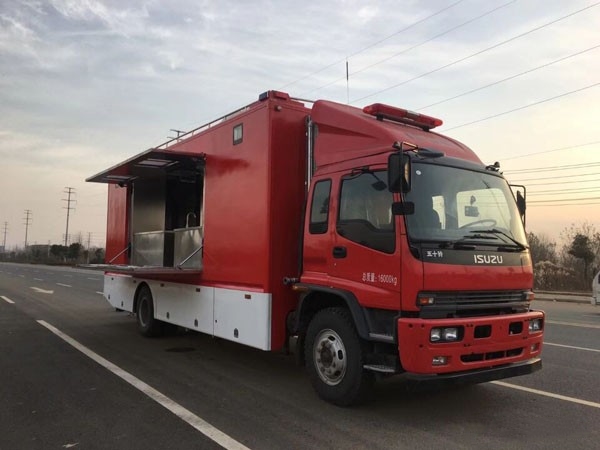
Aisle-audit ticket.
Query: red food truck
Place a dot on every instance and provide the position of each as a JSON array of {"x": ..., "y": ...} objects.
[{"x": 358, "y": 238}]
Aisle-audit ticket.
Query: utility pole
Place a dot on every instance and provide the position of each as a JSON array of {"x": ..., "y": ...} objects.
[
  {"x": 4, "y": 241},
  {"x": 69, "y": 191},
  {"x": 88, "y": 246},
  {"x": 27, "y": 220}
]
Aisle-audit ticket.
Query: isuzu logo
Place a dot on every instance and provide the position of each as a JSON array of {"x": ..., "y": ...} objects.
[{"x": 487, "y": 259}]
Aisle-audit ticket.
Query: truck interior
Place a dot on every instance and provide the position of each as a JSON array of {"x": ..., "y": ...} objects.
[{"x": 166, "y": 216}]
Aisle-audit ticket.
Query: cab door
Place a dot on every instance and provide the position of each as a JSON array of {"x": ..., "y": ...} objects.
[
  {"x": 318, "y": 234},
  {"x": 364, "y": 255}
]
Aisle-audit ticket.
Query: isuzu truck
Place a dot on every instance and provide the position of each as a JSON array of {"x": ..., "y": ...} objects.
[{"x": 356, "y": 237}]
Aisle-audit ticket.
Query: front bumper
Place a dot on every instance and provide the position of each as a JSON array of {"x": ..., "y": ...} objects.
[
  {"x": 473, "y": 377},
  {"x": 503, "y": 343}
]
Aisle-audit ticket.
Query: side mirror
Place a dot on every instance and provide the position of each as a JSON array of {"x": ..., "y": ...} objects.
[
  {"x": 520, "y": 198},
  {"x": 399, "y": 170},
  {"x": 521, "y": 205}
]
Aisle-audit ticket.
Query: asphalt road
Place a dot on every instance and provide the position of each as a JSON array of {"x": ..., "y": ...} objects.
[{"x": 54, "y": 396}]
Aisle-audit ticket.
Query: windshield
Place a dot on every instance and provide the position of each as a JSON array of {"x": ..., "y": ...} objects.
[{"x": 454, "y": 204}]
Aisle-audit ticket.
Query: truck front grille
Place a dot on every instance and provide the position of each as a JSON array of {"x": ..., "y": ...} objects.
[{"x": 474, "y": 304}]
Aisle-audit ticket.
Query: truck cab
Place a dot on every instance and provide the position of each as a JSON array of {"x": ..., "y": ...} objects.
[{"x": 422, "y": 248}]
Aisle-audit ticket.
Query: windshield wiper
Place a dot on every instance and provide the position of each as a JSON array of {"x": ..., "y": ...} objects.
[
  {"x": 465, "y": 242},
  {"x": 468, "y": 242},
  {"x": 457, "y": 245},
  {"x": 502, "y": 233}
]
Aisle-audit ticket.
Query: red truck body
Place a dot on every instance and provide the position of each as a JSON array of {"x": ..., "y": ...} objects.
[{"x": 249, "y": 229}]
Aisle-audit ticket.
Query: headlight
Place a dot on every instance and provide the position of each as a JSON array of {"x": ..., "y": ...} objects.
[
  {"x": 450, "y": 334},
  {"x": 535, "y": 325},
  {"x": 446, "y": 334}
]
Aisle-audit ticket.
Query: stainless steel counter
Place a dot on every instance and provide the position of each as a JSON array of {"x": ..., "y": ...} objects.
[{"x": 188, "y": 247}]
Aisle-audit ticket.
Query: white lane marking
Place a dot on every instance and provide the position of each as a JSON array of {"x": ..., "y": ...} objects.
[
  {"x": 38, "y": 279},
  {"x": 184, "y": 414},
  {"x": 41, "y": 291},
  {"x": 95, "y": 279},
  {"x": 22, "y": 276},
  {"x": 65, "y": 285},
  {"x": 98, "y": 292},
  {"x": 573, "y": 347},
  {"x": 6, "y": 299},
  {"x": 572, "y": 324},
  {"x": 547, "y": 394}
]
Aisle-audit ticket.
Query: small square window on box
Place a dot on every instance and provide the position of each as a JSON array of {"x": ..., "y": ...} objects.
[{"x": 238, "y": 134}]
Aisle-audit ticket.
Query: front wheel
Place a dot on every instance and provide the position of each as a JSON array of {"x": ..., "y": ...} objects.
[
  {"x": 147, "y": 324},
  {"x": 335, "y": 356}
]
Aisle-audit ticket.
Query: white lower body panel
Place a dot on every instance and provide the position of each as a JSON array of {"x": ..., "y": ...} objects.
[
  {"x": 119, "y": 290},
  {"x": 235, "y": 315}
]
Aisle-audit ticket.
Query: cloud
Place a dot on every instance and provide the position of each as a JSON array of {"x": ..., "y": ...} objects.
[
  {"x": 121, "y": 21},
  {"x": 16, "y": 38},
  {"x": 84, "y": 84}
]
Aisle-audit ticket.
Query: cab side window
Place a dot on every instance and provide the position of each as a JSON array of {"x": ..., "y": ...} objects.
[
  {"x": 319, "y": 211},
  {"x": 365, "y": 213}
]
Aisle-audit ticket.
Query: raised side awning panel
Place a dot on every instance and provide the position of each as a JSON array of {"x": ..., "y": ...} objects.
[{"x": 145, "y": 163}]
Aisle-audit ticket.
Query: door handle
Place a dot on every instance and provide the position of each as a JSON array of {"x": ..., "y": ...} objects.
[{"x": 339, "y": 252}]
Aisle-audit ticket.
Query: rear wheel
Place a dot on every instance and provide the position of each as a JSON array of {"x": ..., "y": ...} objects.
[
  {"x": 147, "y": 324},
  {"x": 334, "y": 355}
]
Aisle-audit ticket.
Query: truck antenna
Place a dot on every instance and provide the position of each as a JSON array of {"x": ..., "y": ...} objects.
[{"x": 347, "y": 83}]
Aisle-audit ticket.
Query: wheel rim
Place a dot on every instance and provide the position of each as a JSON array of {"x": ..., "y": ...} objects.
[{"x": 330, "y": 357}]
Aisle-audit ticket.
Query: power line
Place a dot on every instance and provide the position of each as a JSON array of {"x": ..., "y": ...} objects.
[
  {"x": 564, "y": 204},
  {"x": 561, "y": 191},
  {"x": 553, "y": 150},
  {"x": 562, "y": 182},
  {"x": 559, "y": 177},
  {"x": 479, "y": 52},
  {"x": 408, "y": 49},
  {"x": 372, "y": 45},
  {"x": 523, "y": 107},
  {"x": 68, "y": 191},
  {"x": 508, "y": 78},
  {"x": 549, "y": 196},
  {"x": 563, "y": 200},
  {"x": 553, "y": 168}
]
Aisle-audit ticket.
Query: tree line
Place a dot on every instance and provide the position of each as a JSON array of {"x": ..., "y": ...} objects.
[
  {"x": 566, "y": 267},
  {"x": 74, "y": 253},
  {"x": 569, "y": 267}
]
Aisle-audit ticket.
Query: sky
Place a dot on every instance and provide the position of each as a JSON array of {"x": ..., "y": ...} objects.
[{"x": 86, "y": 84}]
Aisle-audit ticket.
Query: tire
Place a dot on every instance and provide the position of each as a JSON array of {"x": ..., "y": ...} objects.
[
  {"x": 334, "y": 358},
  {"x": 147, "y": 324}
]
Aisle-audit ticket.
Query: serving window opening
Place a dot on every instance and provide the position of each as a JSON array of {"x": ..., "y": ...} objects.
[{"x": 166, "y": 208}]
